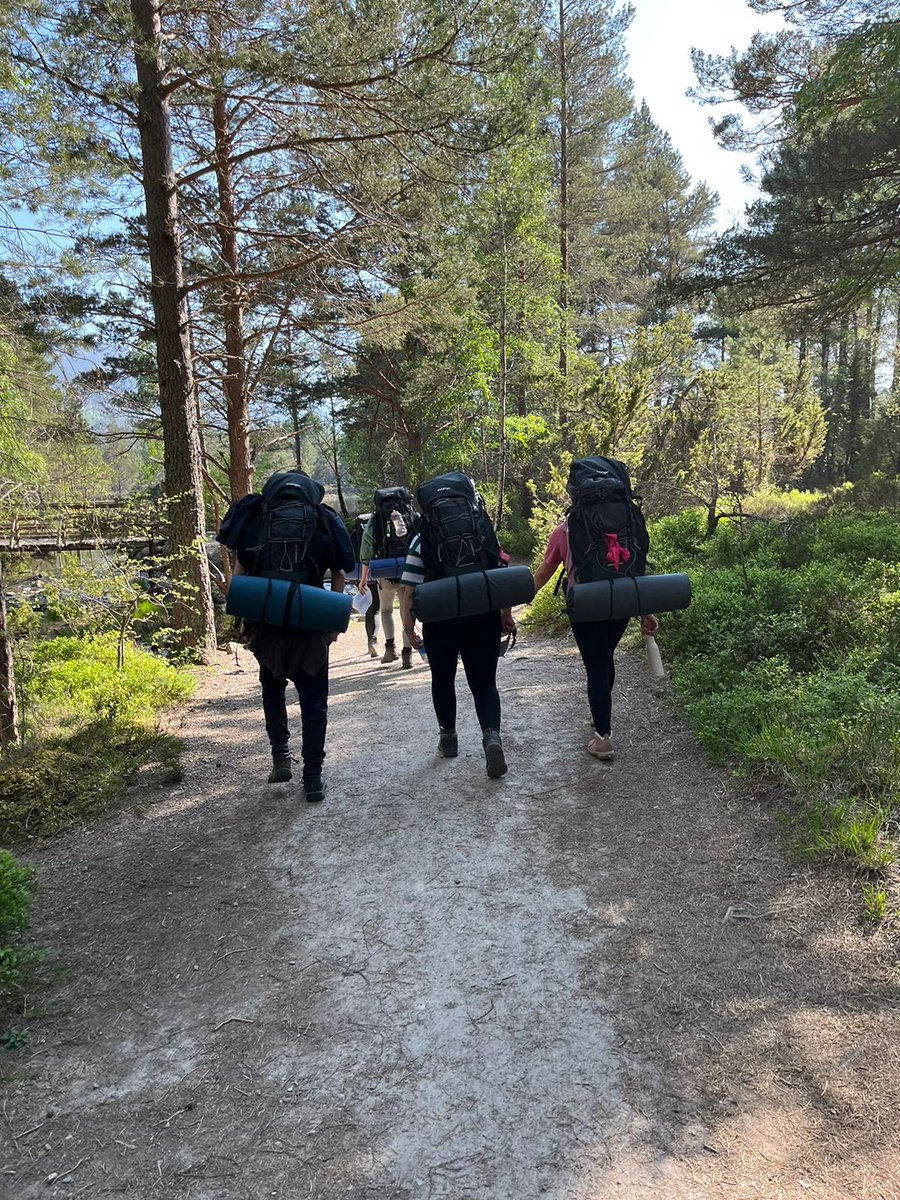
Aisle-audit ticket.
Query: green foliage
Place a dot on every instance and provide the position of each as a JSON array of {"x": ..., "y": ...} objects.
[
  {"x": 547, "y": 611},
  {"x": 77, "y": 679},
  {"x": 16, "y": 891},
  {"x": 786, "y": 661},
  {"x": 93, "y": 727},
  {"x": 76, "y": 773},
  {"x": 874, "y": 899}
]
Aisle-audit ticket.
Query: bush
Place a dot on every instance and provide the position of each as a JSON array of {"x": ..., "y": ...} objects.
[
  {"x": 547, "y": 610},
  {"x": 16, "y": 890},
  {"x": 787, "y": 661},
  {"x": 93, "y": 727},
  {"x": 77, "y": 678}
]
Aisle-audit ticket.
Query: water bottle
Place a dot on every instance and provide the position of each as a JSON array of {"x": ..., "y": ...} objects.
[
  {"x": 399, "y": 524},
  {"x": 657, "y": 670}
]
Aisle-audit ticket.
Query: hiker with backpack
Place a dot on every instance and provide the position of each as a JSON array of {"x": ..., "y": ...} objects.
[
  {"x": 456, "y": 539},
  {"x": 603, "y": 538},
  {"x": 388, "y": 535},
  {"x": 287, "y": 533},
  {"x": 356, "y": 538}
]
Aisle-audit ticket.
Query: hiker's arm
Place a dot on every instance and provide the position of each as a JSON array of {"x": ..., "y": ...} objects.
[
  {"x": 237, "y": 569},
  {"x": 338, "y": 581},
  {"x": 406, "y": 616},
  {"x": 544, "y": 574},
  {"x": 649, "y": 624},
  {"x": 507, "y": 620},
  {"x": 363, "y": 577}
]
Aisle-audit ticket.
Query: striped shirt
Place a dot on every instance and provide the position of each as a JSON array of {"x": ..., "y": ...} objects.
[{"x": 414, "y": 568}]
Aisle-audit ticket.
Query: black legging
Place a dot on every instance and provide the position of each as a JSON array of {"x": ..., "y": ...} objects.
[
  {"x": 372, "y": 611},
  {"x": 597, "y": 641},
  {"x": 477, "y": 641}
]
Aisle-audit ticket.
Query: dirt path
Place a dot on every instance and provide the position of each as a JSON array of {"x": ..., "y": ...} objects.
[{"x": 579, "y": 982}]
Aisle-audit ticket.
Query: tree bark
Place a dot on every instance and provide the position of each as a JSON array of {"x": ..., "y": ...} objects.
[
  {"x": 9, "y": 711},
  {"x": 193, "y": 609},
  {"x": 502, "y": 383},
  {"x": 234, "y": 382},
  {"x": 563, "y": 199}
]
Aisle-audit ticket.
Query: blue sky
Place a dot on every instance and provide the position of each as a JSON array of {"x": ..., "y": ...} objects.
[{"x": 659, "y": 48}]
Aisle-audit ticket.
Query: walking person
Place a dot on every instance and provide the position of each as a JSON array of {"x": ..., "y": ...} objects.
[
  {"x": 389, "y": 534},
  {"x": 456, "y": 537},
  {"x": 602, "y": 537},
  {"x": 288, "y": 533},
  {"x": 356, "y": 538}
]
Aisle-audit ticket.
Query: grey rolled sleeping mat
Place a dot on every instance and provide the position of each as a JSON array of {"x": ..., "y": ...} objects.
[
  {"x": 473, "y": 593},
  {"x": 628, "y": 596}
]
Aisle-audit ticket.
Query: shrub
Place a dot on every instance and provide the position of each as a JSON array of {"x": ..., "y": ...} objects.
[
  {"x": 786, "y": 661},
  {"x": 94, "y": 727},
  {"x": 77, "y": 679},
  {"x": 547, "y": 610},
  {"x": 16, "y": 890}
]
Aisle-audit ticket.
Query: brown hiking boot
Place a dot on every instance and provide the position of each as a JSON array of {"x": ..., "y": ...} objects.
[
  {"x": 601, "y": 747},
  {"x": 390, "y": 654}
]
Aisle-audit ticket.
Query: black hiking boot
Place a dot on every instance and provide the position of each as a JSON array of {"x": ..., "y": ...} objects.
[
  {"x": 390, "y": 654},
  {"x": 448, "y": 744},
  {"x": 406, "y": 658},
  {"x": 281, "y": 769},
  {"x": 493, "y": 754},
  {"x": 314, "y": 789}
]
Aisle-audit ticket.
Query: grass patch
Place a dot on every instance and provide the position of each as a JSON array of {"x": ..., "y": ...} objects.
[
  {"x": 47, "y": 786},
  {"x": 787, "y": 662},
  {"x": 92, "y": 726},
  {"x": 874, "y": 901}
]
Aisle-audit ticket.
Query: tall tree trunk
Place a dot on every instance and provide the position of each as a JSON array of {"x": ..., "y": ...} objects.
[
  {"x": 9, "y": 714},
  {"x": 502, "y": 384},
  {"x": 240, "y": 467},
  {"x": 564, "y": 298},
  {"x": 335, "y": 463},
  {"x": 895, "y": 366},
  {"x": 193, "y": 609}
]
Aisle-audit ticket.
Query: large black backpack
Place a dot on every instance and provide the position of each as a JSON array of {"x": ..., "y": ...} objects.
[
  {"x": 292, "y": 516},
  {"x": 387, "y": 542},
  {"x": 456, "y": 533},
  {"x": 607, "y": 532}
]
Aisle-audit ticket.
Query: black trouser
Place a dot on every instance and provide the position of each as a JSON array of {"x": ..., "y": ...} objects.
[
  {"x": 477, "y": 641},
  {"x": 597, "y": 641},
  {"x": 372, "y": 611},
  {"x": 312, "y": 692}
]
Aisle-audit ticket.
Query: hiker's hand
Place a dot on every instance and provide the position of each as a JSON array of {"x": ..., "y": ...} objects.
[
  {"x": 649, "y": 625},
  {"x": 333, "y": 637},
  {"x": 508, "y": 624},
  {"x": 415, "y": 639}
]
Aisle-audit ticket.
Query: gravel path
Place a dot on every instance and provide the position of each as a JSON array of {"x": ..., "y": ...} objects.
[{"x": 579, "y": 982}]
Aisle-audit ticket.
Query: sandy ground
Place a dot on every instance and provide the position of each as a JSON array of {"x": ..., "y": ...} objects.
[{"x": 582, "y": 981}]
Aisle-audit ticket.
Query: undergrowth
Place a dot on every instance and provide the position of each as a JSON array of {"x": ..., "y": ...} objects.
[
  {"x": 91, "y": 727},
  {"x": 788, "y": 660}
]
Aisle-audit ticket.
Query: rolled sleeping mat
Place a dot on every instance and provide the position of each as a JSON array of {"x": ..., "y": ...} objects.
[
  {"x": 469, "y": 595},
  {"x": 386, "y": 568},
  {"x": 628, "y": 596},
  {"x": 287, "y": 604}
]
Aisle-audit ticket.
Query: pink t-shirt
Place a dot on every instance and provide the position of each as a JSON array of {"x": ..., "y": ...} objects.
[{"x": 557, "y": 551}]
